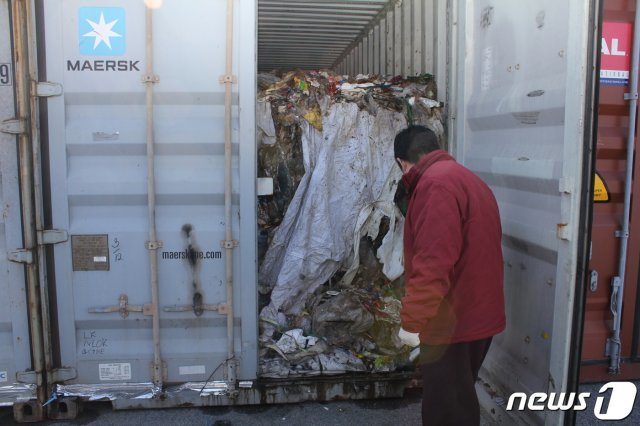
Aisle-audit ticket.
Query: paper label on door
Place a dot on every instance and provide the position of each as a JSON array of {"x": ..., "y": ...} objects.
[
  {"x": 115, "y": 371},
  {"x": 191, "y": 369},
  {"x": 3, "y": 376}
]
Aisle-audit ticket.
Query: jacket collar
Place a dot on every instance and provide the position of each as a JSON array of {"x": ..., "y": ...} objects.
[{"x": 411, "y": 178}]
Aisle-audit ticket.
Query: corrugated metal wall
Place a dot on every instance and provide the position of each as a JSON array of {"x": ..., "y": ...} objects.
[
  {"x": 408, "y": 38},
  {"x": 402, "y": 40},
  {"x": 386, "y": 37},
  {"x": 311, "y": 34}
]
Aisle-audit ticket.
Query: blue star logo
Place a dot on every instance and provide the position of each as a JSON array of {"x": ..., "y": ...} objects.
[{"x": 101, "y": 31}]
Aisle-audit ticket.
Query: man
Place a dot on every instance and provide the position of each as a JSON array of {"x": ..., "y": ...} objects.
[{"x": 454, "y": 302}]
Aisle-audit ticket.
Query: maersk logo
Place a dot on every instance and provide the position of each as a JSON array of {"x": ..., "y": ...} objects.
[{"x": 101, "y": 31}]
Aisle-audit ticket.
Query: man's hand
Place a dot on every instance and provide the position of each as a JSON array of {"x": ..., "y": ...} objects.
[{"x": 409, "y": 339}]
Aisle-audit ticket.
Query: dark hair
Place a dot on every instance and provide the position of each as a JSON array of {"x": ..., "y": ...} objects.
[{"x": 414, "y": 142}]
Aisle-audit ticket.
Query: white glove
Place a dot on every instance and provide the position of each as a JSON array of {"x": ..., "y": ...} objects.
[{"x": 408, "y": 338}]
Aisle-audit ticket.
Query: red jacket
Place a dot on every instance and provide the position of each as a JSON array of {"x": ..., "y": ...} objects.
[{"x": 453, "y": 254}]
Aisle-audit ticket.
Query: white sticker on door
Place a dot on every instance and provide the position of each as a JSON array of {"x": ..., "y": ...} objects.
[
  {"x": 3, "y": 376},
  {"x": 191, "y": 369},
  {"x": 115, "y": 371}
]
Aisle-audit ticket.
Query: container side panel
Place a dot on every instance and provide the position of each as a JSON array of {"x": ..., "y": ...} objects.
[
  {"x": 390, "y": 34},
  {"x": 382, "y": 48},
  {"x": 372, "y": 54},
  {"x": 408, "y": 35},
  {"x": 377, "y": 57},
  {"x": 406, "y": 41},
  {"x": 519, "y": 106},
  {"x": 440, "y": 22},
  {"x": 15, "y": 354},
  {"x": 99, "y": 187},
  {"x": 398, "y": 40}
]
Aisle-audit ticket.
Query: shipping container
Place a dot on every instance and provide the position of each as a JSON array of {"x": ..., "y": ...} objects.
[
  {"x": 614, "y": 144},
  {"x": 146, "y": 194}
]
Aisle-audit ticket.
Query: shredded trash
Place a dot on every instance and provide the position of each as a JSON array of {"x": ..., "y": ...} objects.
[{"x": 330, "y": 243}]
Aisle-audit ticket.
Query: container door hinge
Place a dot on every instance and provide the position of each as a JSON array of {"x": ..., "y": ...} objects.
[
  {"x": 52, "y": 236},
  {"x": 59, "y": 375},
  {"x": 563, "y": 231},
  {"x": 30, "y": 377},
  {"x": 593, "y": 282},
  {"x": 228, "y": 79},
  {"x": 620, "y": 234},
  {"x": 566, "y": 186},
  {"x": 153, "y": 245},
  {"x": 21, "y": 256},
  {"x": 229, "y": 244},
  {"x": 150, "y": 78},
  {"x": 46, "y": 89},
  {"x": 630, "y": 96},
  {"x": 13, "y": 126}
]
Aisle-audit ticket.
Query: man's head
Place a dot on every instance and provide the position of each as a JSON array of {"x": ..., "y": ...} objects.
[{"x": 413, "y": 143}]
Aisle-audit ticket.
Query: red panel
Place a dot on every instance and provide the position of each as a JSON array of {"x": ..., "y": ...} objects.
[{"x": 613, "y": 124}]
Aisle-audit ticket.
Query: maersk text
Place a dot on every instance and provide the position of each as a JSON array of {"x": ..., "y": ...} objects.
[{"x": 103, "y": 65}]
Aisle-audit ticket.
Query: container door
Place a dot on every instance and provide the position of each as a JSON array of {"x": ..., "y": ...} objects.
[
  {"x": 611, "y": 154},
  {"x": 15, "y": 352},
  {"x": 98, "y": 162},
  {"x": 519, "y": 124}
]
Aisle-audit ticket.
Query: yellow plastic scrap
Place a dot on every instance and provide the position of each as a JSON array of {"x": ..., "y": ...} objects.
[
  {"x": 301, "y": 84},
  {"x": 314, "y": 117}
]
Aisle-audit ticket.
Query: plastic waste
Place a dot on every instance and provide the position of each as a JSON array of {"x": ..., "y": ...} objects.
[{"x": 330, "y": 266}]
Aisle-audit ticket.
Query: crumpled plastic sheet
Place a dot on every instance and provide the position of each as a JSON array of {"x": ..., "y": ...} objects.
[
  {"x": 390, "y": 253},
  {"x": 340, "y": 318},
  {"x": 265, "y": 80},
  {"x": 216, "y": 388},
  {"x": 294, "y": 340},
  {"x": 109, "y": 391},
  {"x": 16, "y": 392},
  {"x": 101, "y": 392},
  {"x": 338, "y": 361},
  {"x": 348, "y": 167}
]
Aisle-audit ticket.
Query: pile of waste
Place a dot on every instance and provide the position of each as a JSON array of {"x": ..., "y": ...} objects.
[{"x": 330, "y": 247}]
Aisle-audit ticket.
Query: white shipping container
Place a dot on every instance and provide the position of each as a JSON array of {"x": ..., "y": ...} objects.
[{"x": 130, "y": 98}]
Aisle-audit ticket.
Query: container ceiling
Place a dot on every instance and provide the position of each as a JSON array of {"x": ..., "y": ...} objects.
[{"x": 312, "y": 34}]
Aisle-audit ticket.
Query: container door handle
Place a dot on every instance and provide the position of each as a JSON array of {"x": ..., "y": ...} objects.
[{"x": 593, "y": 281}]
